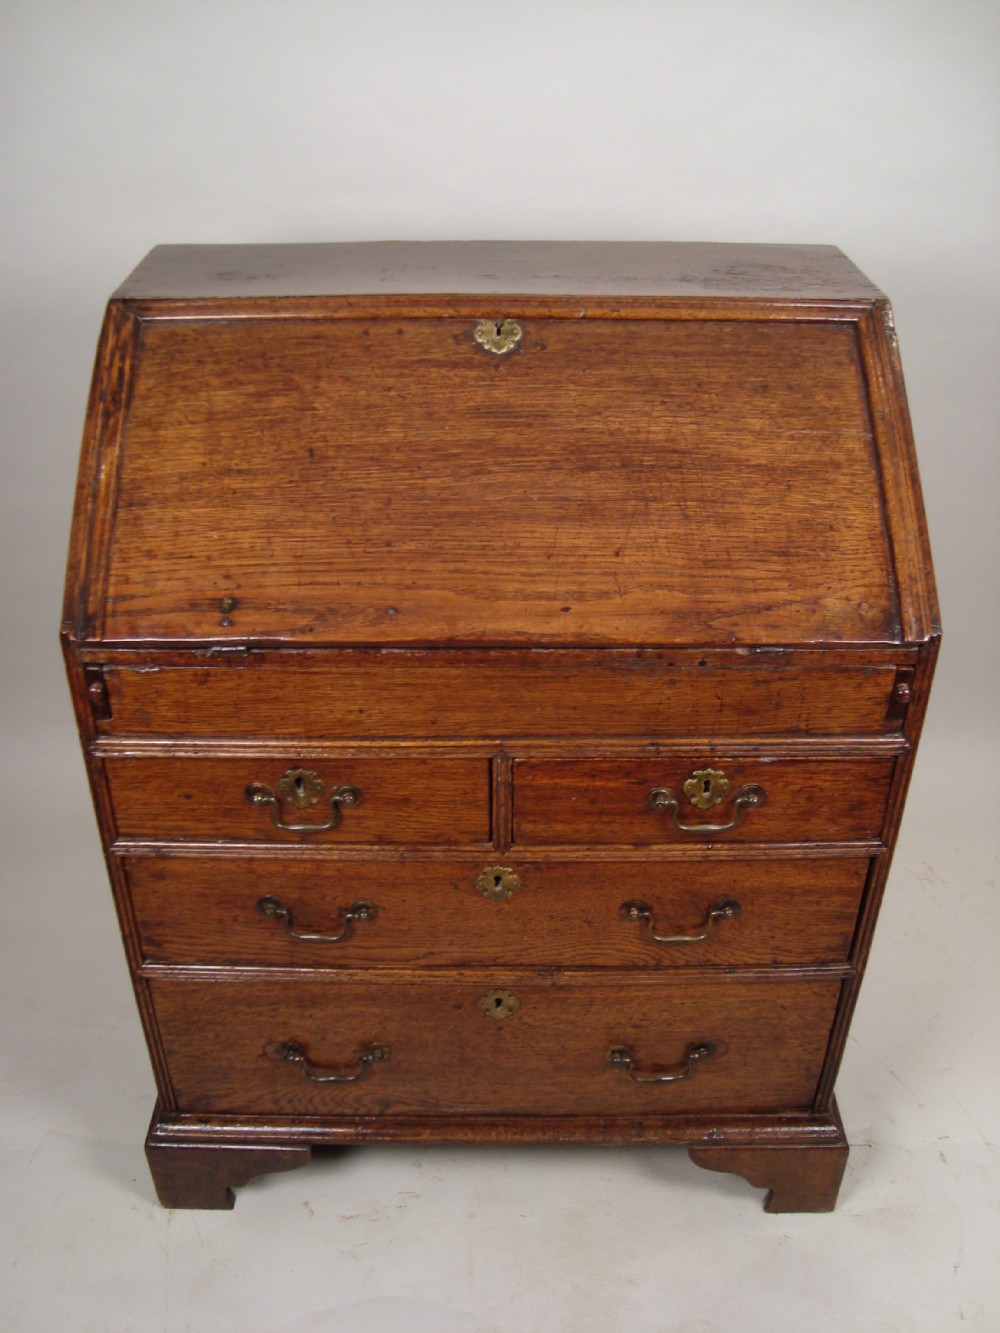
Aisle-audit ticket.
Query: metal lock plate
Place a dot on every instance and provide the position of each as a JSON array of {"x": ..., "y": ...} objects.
[
  {"x": 707, "y": 787},
  {"x": 301, "y": 787},
  {"x": 499, "y": 336},
  {"x": 497, "y": 883},
  {"x": 499, "y": 1003}
]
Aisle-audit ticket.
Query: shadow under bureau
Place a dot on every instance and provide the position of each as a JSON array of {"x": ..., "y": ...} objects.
[{"x": 499, "y": 668}]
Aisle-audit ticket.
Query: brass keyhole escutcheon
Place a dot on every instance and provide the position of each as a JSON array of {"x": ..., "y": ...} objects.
[
  {"x": 499, "y": 1003},
  {"x": 301, "y": 787},
  {"x": 497, "y": 335},
  {"x": 707, "y": 787},
  {"x": 497, "y": 883}
]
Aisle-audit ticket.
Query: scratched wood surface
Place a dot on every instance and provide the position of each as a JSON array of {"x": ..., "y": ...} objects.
[
  {"x": 679, "y": 527},
  {"x": 448, "y": 1056},
  {"x": 604, "y": 801},
  {"x": 390, "y": 481},
  {"x": 469, "y": 694},
  {"x": 427, "y": 801},
  {"x": 435, "y": 914},
  {"x": 547, "y": 268}
]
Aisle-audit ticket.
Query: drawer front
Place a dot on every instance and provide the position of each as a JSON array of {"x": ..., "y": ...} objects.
[
  {"x": 545, "y": 693},
  {"x": 362, "y": 801},
  {"x": 472, "y": 913},
  {"x": 650, "y": 801},
  {"x": 256, "y": 1047}
]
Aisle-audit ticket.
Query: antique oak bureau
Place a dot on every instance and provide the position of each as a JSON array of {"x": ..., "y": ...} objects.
[{"x": 499, "y": 668}]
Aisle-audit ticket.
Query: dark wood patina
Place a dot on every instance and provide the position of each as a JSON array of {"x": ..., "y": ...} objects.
[{"x": 445, "y": 623}]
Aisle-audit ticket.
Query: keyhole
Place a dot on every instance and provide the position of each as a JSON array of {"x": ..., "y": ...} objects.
[
  {"x": 497, "y": 883},
  {"x": 300, "y": 786},
  {"x": 706, "y": 786},
  {"x": 499, "y": 1004}
]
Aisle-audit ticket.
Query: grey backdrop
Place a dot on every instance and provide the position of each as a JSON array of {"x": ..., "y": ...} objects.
[{"x": 870, "y": 124}]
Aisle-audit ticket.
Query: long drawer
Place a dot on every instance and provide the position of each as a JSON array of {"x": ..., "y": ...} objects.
[
  {"x": 350, "y": 914},
  {"x": 671, "y": 800},
  {"x": 492, "y": 1042},
  {"x": 383, "y": 694},
  {"x": 354, "y": 801}
]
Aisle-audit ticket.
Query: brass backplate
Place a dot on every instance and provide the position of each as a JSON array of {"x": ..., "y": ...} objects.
[
  {"x": 497, "y": 335},
  {"x": 301, "y": 787},
  {"x": 499, "y": 1003},
  {"x": 497, "y": 883},
  {"x": 707, "y": 787}
]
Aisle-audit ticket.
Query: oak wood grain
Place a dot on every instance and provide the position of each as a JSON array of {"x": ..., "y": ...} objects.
[
  {"x": 422, "y": 801},
  {"x": 224, "y": 1039},
  {"x": 391, "y": 482},
  {"x": 434, "y": 695},
  {"x": 97, "y": 474},
  {"x": 605, "y": 801},
  {"x": 188, "y": 1175},
  {"x": 433, "y": 914},
  {"x": 737, "y": 1129},
  {"x": 920, "y": 615},
  {"x": 317, "y": 525},
  {"x": 799, "y": 1179}
]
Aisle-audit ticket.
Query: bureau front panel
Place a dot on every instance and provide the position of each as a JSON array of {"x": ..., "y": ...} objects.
[
  {"x": 302, "y": 800},
  {"x": 492, "y": 1043},
  {"x": 642, "y": 801},
  {"x": 394, "y": 481},
  {"x": 544, "y": 693},
  {"x": 354, "y": 913}
]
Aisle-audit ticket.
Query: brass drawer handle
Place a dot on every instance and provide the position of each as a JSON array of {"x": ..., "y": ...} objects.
[
  {"x": 375, "y": 1053},
  {"x": 623, "y": 1057},
  {"x": 275, "y": 910},
  {"x": 301, "y": 787},
  {"x": 726, "y": 909},
  {"x": 707, "y": 787}
]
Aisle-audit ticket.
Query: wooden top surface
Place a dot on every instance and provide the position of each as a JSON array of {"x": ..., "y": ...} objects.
[{"x": 529, "y": 268}]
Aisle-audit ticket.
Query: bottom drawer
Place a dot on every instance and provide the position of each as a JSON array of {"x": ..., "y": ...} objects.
[{"x": 493, "y": 1043}]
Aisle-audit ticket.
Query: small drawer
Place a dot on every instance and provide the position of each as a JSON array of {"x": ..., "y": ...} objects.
[
  {"x": 492, "y": 1043},
  {"x": 302, "y": 801},
  {"x": 692, "y": 802},
  {"x": 361, "y": 914}
]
